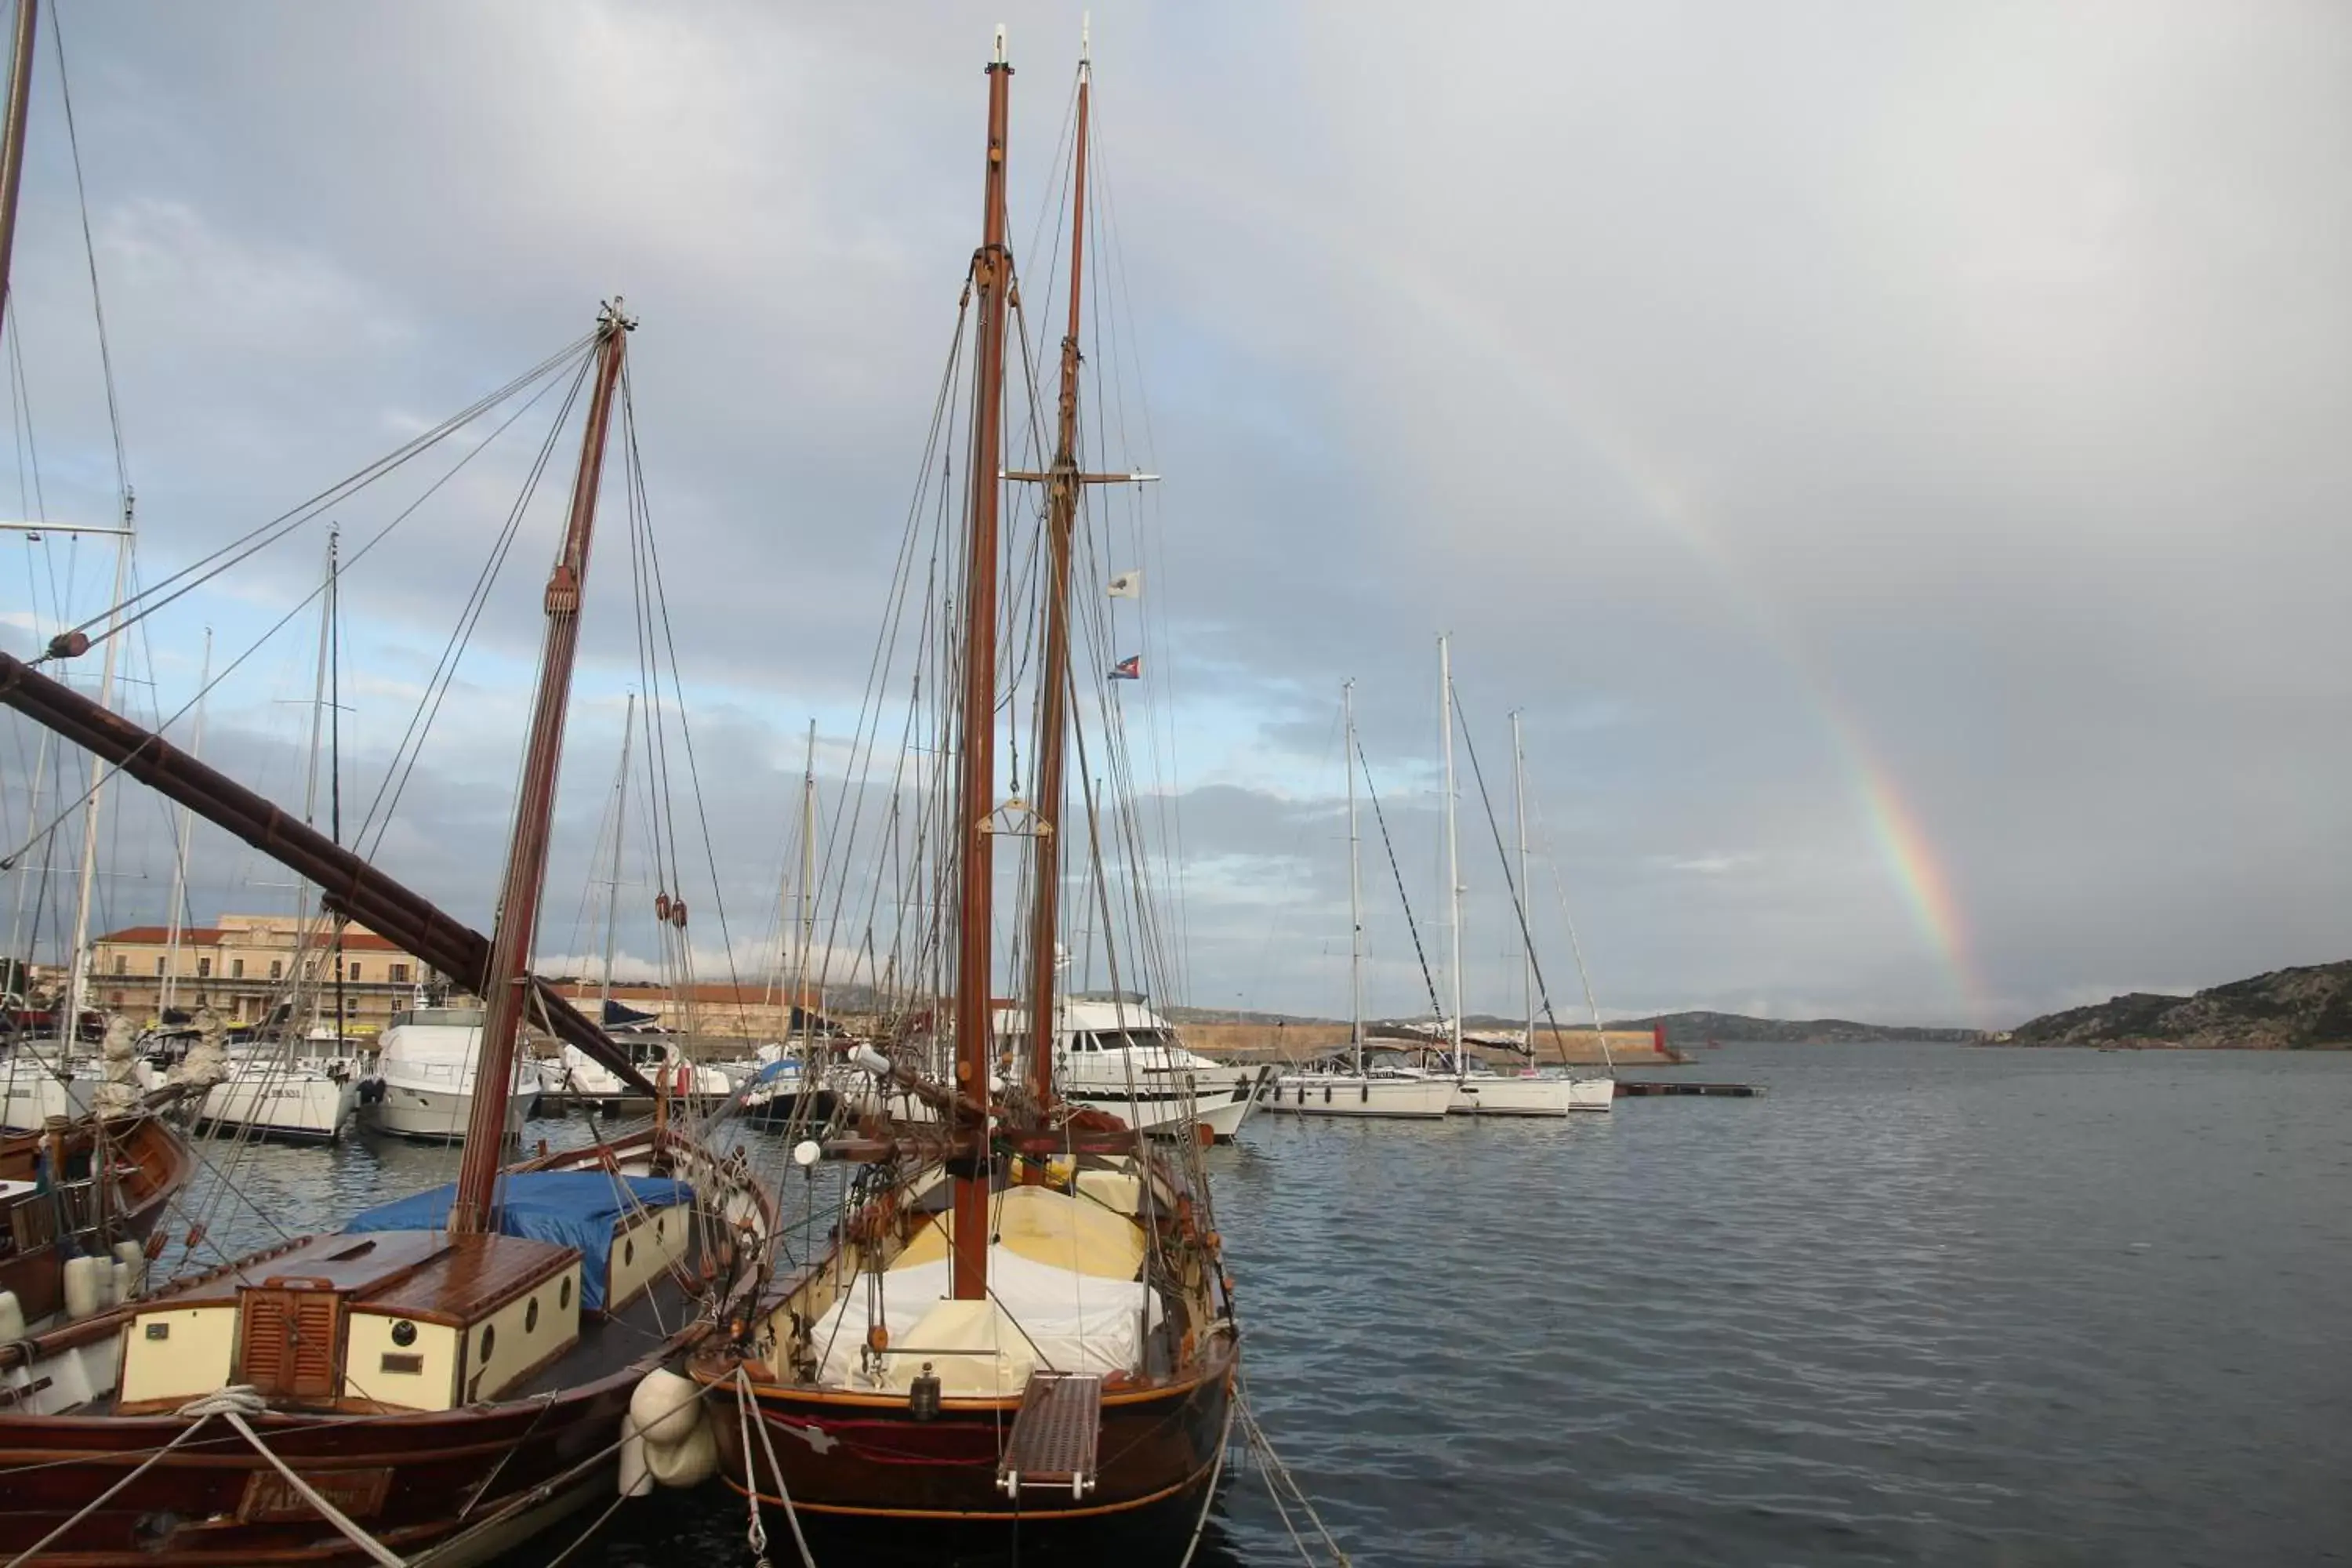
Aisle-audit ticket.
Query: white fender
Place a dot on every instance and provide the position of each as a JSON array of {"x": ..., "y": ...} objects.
[
  {"x": 687, "y": 1464},
  {"x": 635, "y": 1479},
  {"x": 88, "y": 1280},
  {"x": 666, "y": 1409},
  {"x": 12, "y": 1318}
]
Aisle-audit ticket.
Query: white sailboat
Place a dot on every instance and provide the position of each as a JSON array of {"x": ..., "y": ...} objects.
[
  {"x": 1481, "y": 1091},
  {"x": 1358, "y": 1082}
]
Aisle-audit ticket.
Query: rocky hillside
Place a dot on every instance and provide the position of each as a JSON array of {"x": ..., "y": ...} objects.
[
  {"x": 2288, "y": 1009},
  {"x": 1697, "y": 1028}
]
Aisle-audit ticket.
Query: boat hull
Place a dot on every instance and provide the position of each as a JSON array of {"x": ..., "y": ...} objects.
[
  {"x": 214, "y": 1501},
  {"x": 296, "y": 1108},
  {"x": 1169, "y": 1113},
  {"x": 860, "y": 1466},
  {"x": 1347, "y": 1094}
]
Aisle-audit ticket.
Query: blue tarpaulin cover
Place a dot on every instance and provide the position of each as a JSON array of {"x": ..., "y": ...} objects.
[{"x": 573, "y": 1209}]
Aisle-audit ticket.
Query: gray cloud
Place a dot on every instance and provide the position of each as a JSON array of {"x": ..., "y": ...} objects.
[{"x": 1801, "y": 414}]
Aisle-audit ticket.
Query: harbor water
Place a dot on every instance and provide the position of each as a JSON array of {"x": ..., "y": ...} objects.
[{"x": 1918, "y": 1304}]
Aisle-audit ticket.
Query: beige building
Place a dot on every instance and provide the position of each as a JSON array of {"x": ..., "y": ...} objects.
[{"x": 245, "y": 964}]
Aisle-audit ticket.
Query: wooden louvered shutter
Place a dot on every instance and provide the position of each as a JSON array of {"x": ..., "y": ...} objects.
[
  {"x": 290, "y": 1343},
  {"x": 261, "y": 1340}
]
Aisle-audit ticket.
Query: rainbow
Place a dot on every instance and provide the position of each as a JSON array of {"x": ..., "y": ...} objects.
[{"x": 1902, "y": 841}]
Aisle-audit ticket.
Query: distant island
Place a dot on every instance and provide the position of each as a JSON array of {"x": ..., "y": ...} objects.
[
  {"x": 2309, "y": 1008},
  {"x": 1697, "y": 1028}
]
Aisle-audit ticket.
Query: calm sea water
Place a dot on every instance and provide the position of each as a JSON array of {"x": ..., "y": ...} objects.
[{"x": 1918, "y": 1305}]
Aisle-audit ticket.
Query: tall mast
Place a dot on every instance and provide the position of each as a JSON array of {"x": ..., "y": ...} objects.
[
  {"x": 613, "y": 888},
  {"x": 12, "y": 135},
  {"x": 808, "y": 876},
  {"x": 306, "y": 978},
  {"x": 179, "y": 858},
  {"x": 1355, "y": 892},
  {"x": 77, "y": 981},
  {"x": 991, "y": 277},
  {"x": 1453, "y": 853},
  {"x": 1052, "y": 716},
  {"x": 507, "y": 977},
  {"x": 1527, "y": 913}
]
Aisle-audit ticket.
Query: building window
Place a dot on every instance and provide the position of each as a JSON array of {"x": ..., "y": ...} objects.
[
  {"x": 121, "y": 965},
  {"x": 351, "y": 1003},
  {"x": 159, "y": 966},
  {"x": 355, "y": 973},
  {"x": 118, "y": 999},
  {"x": 400, "y": 974},
  {"x": 236, "y": 969},
  {"x": 276, "y": 968},
  {"x": 203, "y": 969}
]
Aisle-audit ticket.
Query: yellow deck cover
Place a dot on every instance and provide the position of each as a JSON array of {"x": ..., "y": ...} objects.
[{"x": 1045, "y": 1226}]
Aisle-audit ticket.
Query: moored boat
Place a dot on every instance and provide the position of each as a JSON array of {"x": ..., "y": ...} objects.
[{"x": 1020, "y": 1336}]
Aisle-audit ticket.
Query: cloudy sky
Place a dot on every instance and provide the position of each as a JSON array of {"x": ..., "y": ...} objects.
[{"x": 1893, "y": 455}]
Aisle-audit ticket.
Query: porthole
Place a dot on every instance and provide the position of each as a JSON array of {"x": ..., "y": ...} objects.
[
  {"x": 530, "y": 1317},
  {"x": 563, "y": 1297},
  {"x": 489, "y": 1338},
  {"x": 628, "y": 1252},
  {"x": 403, "y": 1333}
]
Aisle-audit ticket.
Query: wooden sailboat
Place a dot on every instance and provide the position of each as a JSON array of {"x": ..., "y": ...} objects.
[
  {"x": 452, "y": 1372},
  {"x": 1022, "y": 1333}
]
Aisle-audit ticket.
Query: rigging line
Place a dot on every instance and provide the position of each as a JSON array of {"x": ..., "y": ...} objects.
[
  {"x": 136, "y": 608},
  {"x": 395, "y": 783},
  {"x": 108, "y": 772},
  {"x": 852, "y": 801},
  {"x": 1518, "y": 904},
  {"x": 1388, "y": 844},
  {"x": 89, "y": 250},
  {"x": 1575, "y": 944},
  {"x": 28, "y": 449},
  {"x": 685, "y": 727}
]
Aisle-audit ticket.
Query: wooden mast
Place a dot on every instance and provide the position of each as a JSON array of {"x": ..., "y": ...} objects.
[
  {"x": 507, "y": 981},
  {"x": 991, "y": 277},
  {"x": 12, "y": 135},
  {"x": 1053, "y": 709}
]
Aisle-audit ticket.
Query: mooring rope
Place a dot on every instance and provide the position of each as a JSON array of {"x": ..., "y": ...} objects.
[{"x": 757, "y": 1534}]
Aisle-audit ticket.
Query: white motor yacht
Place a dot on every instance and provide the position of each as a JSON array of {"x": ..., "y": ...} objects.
[
  {"x": 425, "y": 1075},
  {"x": 1118, "y": 1056}
]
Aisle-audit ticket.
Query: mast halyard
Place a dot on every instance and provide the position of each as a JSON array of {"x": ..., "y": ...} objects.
[
  {"x": 1355, "y": 891},
  {"x": 508, "y": 980},
  {"x": 180, "y": 856},
  {"x": 991, "y": 277},
  {"x": 797, "y": 1005},
  {"x": 613, "y": 887},
  {"x": 1520, "y": 813},
  {"x": 1452, "y": 856},
  {"x": 12, "y": 135},
  {"x": 1053, "y": 716}
]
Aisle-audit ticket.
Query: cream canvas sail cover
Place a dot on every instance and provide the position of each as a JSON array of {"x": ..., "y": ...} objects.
[
  {"x": 1045, "y": 1226},
  {"x": 1060, "y": 1321}
]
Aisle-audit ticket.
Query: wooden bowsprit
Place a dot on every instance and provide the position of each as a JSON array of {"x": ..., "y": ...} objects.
[{"x": 1055, "y": 1436}]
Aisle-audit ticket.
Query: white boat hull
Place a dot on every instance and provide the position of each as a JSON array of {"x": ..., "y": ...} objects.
[
  {"x": 30, "y": 1096},
  {"x": 1592, "y": 1093},
  {"x": 1350, "y": 1094},
  {"x": 1170, "y": 1112},
  {"x": 298, "y": 1107}
]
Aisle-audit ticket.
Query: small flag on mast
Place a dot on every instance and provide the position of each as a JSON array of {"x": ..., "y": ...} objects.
[
  {"x": 1128, "y": 669},
  {"x": 1127, "y": 585}
]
